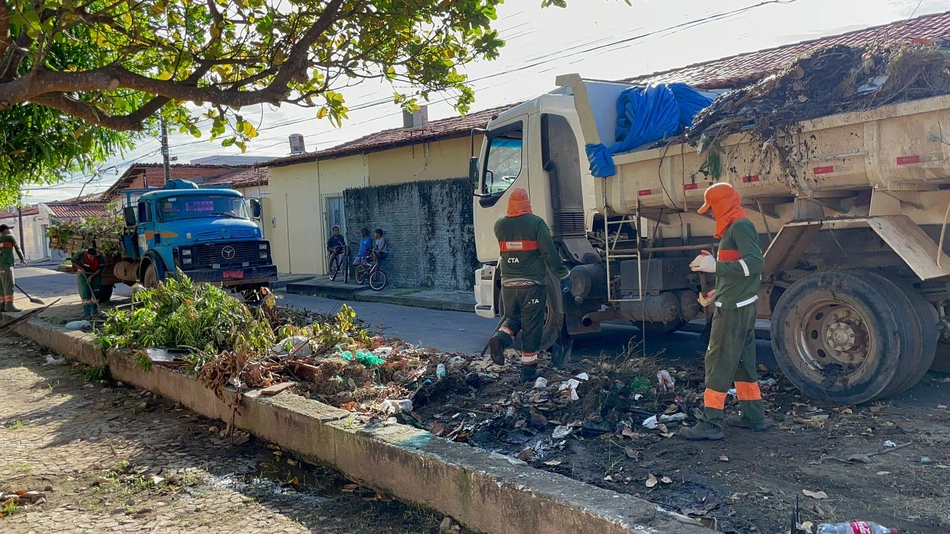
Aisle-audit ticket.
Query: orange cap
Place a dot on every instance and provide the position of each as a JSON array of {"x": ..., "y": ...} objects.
[
  {"x": 716, "y": 194},
  {"x": 518, "y": 203}
]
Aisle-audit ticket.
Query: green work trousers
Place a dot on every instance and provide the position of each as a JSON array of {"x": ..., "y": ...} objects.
[
  {"x": 524, "y": 312},
  {"x": 88, "y": 289},
  {"x": 730, "y": 359},
  {"x": 7, "y": 283}
]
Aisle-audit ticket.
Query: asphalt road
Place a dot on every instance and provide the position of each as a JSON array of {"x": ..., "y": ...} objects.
[{"x": 446, "y": 330}]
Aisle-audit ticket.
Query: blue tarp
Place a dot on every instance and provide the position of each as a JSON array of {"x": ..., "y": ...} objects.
[{"x": 645, "y": 115}]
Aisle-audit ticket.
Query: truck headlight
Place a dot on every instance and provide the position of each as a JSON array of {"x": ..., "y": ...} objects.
[
  {"x": 264, "y": 255},
  {"x": 185, "y": 260},
  {"x": 186, "y": 252},
  {"x": 262, "y": 246}
]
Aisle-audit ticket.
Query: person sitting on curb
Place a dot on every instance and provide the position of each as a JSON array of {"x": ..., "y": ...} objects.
[{"x": 8, "y": 245}]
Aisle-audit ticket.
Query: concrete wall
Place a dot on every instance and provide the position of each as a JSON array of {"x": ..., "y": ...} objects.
[
  {"x": 438, "y": 160},
  {"x": 428, "y": 226},
  {"x": 295, "y": 220},
  {"x": 34, "y": 240}
]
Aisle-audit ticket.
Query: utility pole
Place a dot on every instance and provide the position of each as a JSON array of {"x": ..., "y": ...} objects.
[
  {"x": 19, "y": 214},
  {"x": 168, "y": 170}
]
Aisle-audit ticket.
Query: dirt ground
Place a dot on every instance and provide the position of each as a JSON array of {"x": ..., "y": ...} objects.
[
  {"x": 886, "y": 462},
  {"x": 110, "y": 458}
]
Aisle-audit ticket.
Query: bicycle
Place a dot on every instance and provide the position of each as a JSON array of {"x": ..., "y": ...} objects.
[
  {"x": 340, "y": 263},
  {"x": 370, "y": 271}
]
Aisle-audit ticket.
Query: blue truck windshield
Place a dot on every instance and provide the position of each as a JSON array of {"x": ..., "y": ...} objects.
[{"x": 196, "y": 206}]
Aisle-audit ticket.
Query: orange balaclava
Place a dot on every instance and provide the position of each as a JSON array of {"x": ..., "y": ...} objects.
[
  {"x": 725, "y": 204},
  {"x": 518, "y": 203}
]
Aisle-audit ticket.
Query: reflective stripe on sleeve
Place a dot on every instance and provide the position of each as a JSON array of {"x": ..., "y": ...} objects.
[{"x": 745, "y": 268}]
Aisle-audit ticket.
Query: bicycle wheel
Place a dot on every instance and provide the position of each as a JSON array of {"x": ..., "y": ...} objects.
[
  {"x": 335, "y": 267},
  {"x": 360, "y": 274},
  {"x": 377, "y": 280}
]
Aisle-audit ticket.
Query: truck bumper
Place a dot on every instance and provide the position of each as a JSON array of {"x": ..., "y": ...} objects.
[
  {"x": 248, "y": 276},
  {"x": 485, "y": 292}
]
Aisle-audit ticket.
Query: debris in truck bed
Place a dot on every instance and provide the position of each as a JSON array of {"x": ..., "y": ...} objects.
[{"x": 832, "y": 80}]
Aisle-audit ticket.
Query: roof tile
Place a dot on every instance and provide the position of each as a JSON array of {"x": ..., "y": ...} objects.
[{"x": 746, "y": 68}]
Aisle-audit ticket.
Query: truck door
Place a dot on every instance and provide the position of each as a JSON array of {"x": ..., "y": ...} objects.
[
  {"x": 504, "y": 166},
  {"x": 144, "y": 230}
]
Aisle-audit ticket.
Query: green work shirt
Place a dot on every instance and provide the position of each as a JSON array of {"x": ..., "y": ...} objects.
[
  {"x": 527, "y": 249},
  {"x": 7, "y": 245},
  {"x": 79, "y": 258},
  {"x": 739, "y": 266}
]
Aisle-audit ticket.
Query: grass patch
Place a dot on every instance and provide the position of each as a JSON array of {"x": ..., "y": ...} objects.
[{"x": 16, "y": 425}]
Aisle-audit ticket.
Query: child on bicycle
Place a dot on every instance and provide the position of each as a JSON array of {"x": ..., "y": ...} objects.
[
  {"x": 381, "y": 248},
  {"x": 336, "y": 244},
  {"x": 366, "y": 246}
]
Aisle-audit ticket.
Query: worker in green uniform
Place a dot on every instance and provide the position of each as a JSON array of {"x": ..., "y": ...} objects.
[
  {"x": 527, "y": 251},
  {"x": 89, "y": 265},
  {"x": 8, "y": 245},
  {"x": 730, "y": 357}
]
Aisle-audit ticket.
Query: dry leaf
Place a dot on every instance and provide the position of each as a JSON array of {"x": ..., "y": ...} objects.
[
  {"x": 349, "y": 488},
  {"x": 862, "y": 458},
  {"x": 723, "y": 458},
  {"x": 651, "y": 481},
  {"x": 667, "y": 434},
  {"x": 609, "y": 478},
  {"x": 876, "y": 409},
  {"x": 819, "y": 495},
  {"x": 662, "y": 428},
  {"x": 552, "y": 463},
  {"x": 631, "y": 453},
  {"x": 628, "y": 432},
  {"x": 817, "y": 421},
  {"x": 666, "y": 480}
]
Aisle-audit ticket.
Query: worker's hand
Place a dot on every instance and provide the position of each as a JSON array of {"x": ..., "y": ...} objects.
[
  {"x": 706, "y": 300},
  {"x": 22, "y": 261},
  {"x": 703, "y": 263}
]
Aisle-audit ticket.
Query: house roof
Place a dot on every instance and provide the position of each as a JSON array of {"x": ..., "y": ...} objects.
[
  {"x": 238, "y": 180},
  {"x": 746, "y": 68},
  {"x": 28, "y": 211},
  {"x": 450, "y": 128},
  {"x": 73, "y": 209},
  {"x": 177, "y": 171}
]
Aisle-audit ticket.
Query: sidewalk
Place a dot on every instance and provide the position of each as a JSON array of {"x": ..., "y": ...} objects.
[{"x": 433, "y": 299}]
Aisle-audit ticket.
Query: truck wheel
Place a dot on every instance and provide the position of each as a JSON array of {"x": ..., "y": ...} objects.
[
  {"x": 927, "y": 335},
  {"x": 909, "y": 328},
  {"x": 835, "y": 336},
  {"x": 150, "y": 279},
  {"x": 105, "y": 293}
]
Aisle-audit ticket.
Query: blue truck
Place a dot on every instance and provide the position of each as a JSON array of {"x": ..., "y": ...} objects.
[{"x": 208, "y": 234}]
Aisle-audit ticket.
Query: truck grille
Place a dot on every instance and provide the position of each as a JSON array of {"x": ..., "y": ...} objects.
[
  {"x": 569, "y": 224},
  {"x": 221, "y": 254}
]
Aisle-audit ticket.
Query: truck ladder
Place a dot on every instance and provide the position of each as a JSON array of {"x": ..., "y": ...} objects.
[{"x": 613, "y": 252}]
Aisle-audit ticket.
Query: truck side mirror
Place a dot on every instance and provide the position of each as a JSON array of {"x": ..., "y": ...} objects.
[
  {"x": 473, "y": 172},
  {"x": 129, "y": 213},
  {"x": 256, "y": 210},
  {"x": 143, "y": 213}
]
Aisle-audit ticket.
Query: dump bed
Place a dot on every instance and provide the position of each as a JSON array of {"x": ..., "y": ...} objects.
[{"x": 899, "y": 147}]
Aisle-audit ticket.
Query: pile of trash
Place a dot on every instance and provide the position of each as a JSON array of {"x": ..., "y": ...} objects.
[{"x": 831, "y": 80}]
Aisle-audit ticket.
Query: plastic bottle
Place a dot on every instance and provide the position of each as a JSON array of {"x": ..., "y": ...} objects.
[
  {"x": 854, "y": 527},
  {"x": 440, "y": 370}
]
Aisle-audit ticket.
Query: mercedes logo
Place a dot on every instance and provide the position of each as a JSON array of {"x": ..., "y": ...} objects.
[{"x": 228, "y": 252}]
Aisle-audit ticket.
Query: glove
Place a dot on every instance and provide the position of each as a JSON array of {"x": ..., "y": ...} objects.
[
  {"x": 566, "y": 285},
  {"x": 704, "y": 263}
]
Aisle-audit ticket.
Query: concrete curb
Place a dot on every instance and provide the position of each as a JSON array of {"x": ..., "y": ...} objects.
[
  {"x": 483, "y": 491},
  {"x": 361, "y": 294}
]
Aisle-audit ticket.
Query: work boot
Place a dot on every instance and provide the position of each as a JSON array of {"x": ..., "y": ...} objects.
[
  {"x": 702, "y": 430},
  {"x": 529, "y": 373},
  {"x": 497, "y": 350},
  {"x": 741, "y": 422}
]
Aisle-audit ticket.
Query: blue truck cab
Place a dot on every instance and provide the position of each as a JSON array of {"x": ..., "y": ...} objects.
[{"x": 208, "y": 234}]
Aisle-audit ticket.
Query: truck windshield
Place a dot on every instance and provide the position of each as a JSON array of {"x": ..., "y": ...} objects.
[
  {"x": 193, "y": 206},
  {"x": 503, "y": 164}
]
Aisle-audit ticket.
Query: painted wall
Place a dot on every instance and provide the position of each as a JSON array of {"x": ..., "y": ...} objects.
[
  {"x": 428, "y": 226},
  {"x": 295, "y": 219},
  {"x": 33, "y": 242},
  {"x": 438, "y": 160}
]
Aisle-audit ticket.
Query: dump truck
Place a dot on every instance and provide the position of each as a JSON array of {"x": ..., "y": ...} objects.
[
  {"x": 208, "y": 234},
  {"x": 857, "y": 278}
]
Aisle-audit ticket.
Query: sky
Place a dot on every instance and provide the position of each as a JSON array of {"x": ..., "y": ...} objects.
[{"x": 540, "y": 44}]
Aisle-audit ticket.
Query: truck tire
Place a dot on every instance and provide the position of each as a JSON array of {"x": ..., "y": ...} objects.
[
  {"x": 150, "y": 279},
  {"x": 909, "y": 328},
  {"x": 927, "y": 335},
  {"x": 105, "y": 293},
  {"x": 836, "y": 336}
]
